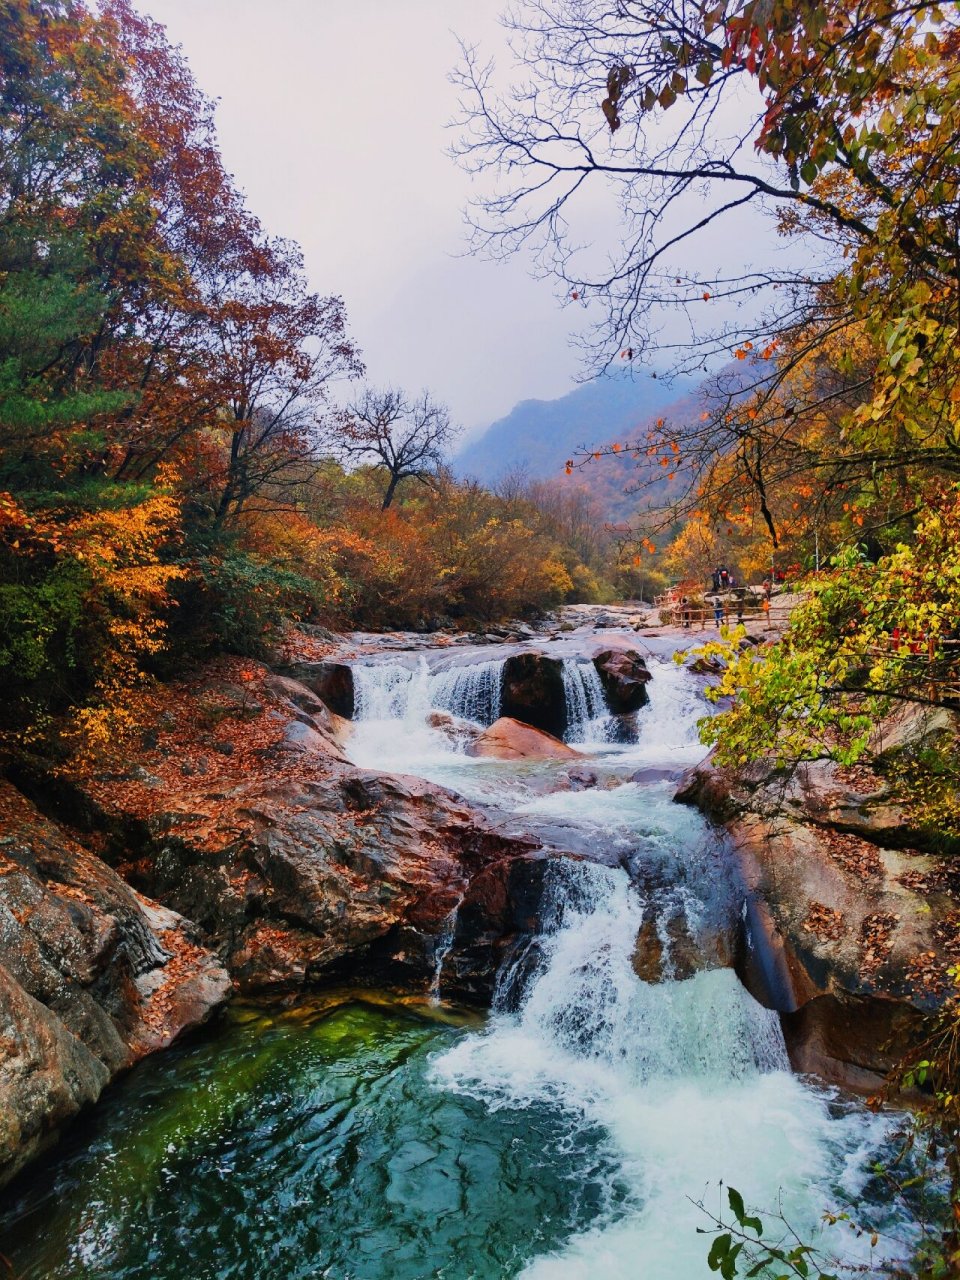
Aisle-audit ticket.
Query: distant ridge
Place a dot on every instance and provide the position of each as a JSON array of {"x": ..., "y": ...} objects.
[{"x": 540, "y": 435}]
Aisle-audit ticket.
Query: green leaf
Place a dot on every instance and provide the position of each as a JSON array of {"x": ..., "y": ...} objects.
[
  {"x": 736, "y": 1204},
  {"x": 719, "y": 1251}
]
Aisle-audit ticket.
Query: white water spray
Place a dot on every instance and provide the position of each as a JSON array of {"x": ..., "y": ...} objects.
[
  {"x": 390, "y": 691},
  {"x": 689, "y": 1080},
  {"x": 588, "y": 717}
]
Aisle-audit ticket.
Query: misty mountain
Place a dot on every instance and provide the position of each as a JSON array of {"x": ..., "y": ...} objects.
[{"x": 540, "y": 435}]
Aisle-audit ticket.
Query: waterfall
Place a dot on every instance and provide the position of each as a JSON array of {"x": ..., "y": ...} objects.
[
  {"x": 583, "y": 999},
  {"x": 473, "y": 692},
  {"x": 588, "y": 716},
  {"x": 392, "y": 691},
  {"x": 443, "y": 944}
]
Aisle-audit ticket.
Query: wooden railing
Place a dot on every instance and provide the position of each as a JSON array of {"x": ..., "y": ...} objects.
[
  {"x": 931, "y": 664},
  {"x": 698, "y": 615}
]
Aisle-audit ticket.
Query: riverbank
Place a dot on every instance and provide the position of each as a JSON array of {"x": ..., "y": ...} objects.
[{"x": 606, "y": 925}]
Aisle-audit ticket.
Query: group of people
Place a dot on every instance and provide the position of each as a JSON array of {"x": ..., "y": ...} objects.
[
  {"x": 686, "y": 609},
  {"x": 723, "y": 582}
]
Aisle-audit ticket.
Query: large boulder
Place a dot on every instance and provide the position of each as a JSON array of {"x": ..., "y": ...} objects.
[
  {"x": 848, "y": 928},
  {"x": 343, "y": 866},
  {"x": 508, "y": 739},
  {"x": 532, "y": 691},
  {"x": 331, "y": 681},
  {"x": 92, "y": 977},
  {"x": 624, "y": 676},
  {"x": 249, "y": 820}
]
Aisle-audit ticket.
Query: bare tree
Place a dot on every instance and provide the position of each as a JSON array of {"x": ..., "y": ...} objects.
[
  {"x": 408, "y": 437},
  {"x": 639, "y": 115},
  {"x": 637, "y": 149}
]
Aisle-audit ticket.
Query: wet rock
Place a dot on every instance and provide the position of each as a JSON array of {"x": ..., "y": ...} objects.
[
  {"x": 498, "y": 919},
  {"x": 342, "y": 868},
  {"x": 458, "y": 731},
  {"x": 581, "y": 778},
  {"x": 851, "y": 1040},
  {"x": 92, "y": 978},
  {"x": 508, "y": 739},
  {"x": 532, "y": 691},
  {"x": 330, "y": 681},
  {"x": 839, "y": 915},
  {"x": 313, "y": 727},
  {"x": 705, "y": 666},
  {"x": 624, "y": 676},
  {"x": 652, "y": 773}
]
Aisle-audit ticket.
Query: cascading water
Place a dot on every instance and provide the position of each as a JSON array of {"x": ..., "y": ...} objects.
[
  {"x": 689, "y": 1080},
  {"x": 393, "y": 703},
  {"x": 588, "y": 716},
  {"x": 389, "y": 691},
  {"x": 568, "y": 1139}
]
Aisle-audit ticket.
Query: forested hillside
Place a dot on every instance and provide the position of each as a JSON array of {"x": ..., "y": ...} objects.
[{"x": 181, "y": 471}]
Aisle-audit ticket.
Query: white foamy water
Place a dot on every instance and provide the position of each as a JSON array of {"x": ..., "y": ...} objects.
[
  {"x": 588, "y": 716},
  {"x": 689, "y": 1078},
  {"x": 392, "y": 702}
]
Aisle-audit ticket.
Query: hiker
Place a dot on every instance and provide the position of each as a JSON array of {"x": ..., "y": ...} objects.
[
  {"x": 685, "y": 612},
  {"x": 724, "y": 577},
  {"x": 740, "y": 595},
  {"x": 716, "y": 578},
  {"x": 717, "y": 611}
]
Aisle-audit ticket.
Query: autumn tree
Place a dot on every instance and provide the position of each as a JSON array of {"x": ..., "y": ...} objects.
[
  {"x": 406, "y": 436},
  {"x": 279, "y": 347}
]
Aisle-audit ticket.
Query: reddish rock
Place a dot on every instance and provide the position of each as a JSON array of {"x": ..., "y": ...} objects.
[
  {"x": 508, "y": 739},
  {"x": 460, "y": 732},
  {"x": 92, "y": 978},
  {"x": 844, "y": 924},
  {"x": 343, "y": 865}
]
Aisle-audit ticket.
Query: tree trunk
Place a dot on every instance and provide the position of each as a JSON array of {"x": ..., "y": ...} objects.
[{"x": 391, "y": 490}]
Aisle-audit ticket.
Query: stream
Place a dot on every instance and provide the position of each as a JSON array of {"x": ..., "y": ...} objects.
[{"x": 566, "y": 1135}]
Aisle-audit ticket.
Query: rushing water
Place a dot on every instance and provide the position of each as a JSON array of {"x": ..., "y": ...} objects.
[
  {"x": 566, "y": 1136},
  {"x": 588, "y": 716}
]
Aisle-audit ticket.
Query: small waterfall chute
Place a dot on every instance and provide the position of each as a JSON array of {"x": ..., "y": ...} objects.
[
  {"x": 472, "y": 692},
  {"x": 588, "y": 715},
  {"x": 443, "y": 945},
  {"x": 585, "y": 999},
  {"x": 394, "y": 691}
]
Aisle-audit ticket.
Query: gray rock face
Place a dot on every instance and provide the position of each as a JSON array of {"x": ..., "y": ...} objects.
[
  {"x": 331, "y": 681},
  {"x": 92, "y": 978},
  {"x": 532, "y": 692}
]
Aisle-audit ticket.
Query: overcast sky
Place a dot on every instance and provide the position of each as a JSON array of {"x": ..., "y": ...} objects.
[{"x": 332, "y": 117}]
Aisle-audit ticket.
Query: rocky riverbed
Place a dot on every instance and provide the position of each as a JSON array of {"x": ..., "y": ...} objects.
[{"x": 396, "y": 812}]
